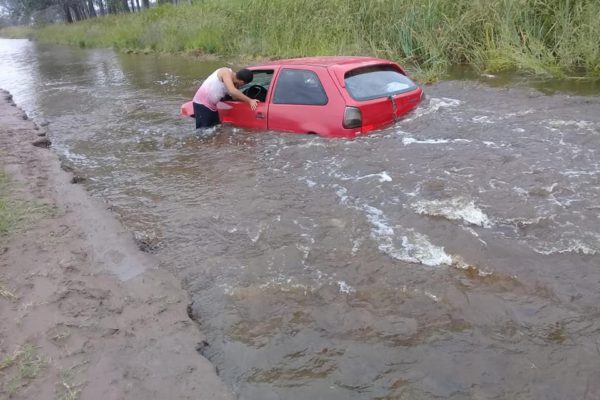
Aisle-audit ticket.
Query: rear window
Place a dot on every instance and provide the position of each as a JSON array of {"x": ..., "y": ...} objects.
[{"x": 377, "y": 81}]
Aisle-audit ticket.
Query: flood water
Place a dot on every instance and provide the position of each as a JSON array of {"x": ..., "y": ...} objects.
[{"x": 455, "y": 255}]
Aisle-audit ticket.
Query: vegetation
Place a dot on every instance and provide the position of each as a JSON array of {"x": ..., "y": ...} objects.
[
  {"x": 10, "y": 212},
  {"x": 19, "y": 369},
  {"x": 7, "y": 294},
  {"x": 15, "y": 213},
  {"x": 68, "y": 390},
  {"x": 556, "y": 37}
]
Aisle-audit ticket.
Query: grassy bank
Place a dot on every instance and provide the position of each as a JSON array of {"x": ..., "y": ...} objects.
[
  {"x": 15, "y": 213},
  {"x": 10, "y": 213},
  {"x": 554, "y": 37}
]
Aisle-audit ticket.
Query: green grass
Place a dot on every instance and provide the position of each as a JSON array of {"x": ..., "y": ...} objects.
[
  {"x": 554, "y": 37},
  {"x": 20, "y": 368},
  {"x": 11, "y": 212},
  {"x": 5, "y": 293},
  {"x": 16, "y": 32},
  {"x": 67, "y": 389},
  {"x": 14, "y": 213}
]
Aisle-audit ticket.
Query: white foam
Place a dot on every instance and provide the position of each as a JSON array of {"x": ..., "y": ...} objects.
[
  {"x": 434, "y": 105},
  {"x": 415, "y": 247},
  {"x": 493, "y": 183},
  {"x": 457, "y": 208},
  {"x": 227, "y": 289},
  {"x": 409, "y": 140},
  {"x": 576, "y": 173},
  {"x": 519, "y": 113},
  {"x": 286, "y": 284},
  {"x": 383, "y": 176},
  {"x": 345, "y": 288},
  {"x": 72, "y": 156},
  {"x": 311, "y": 143},
  {"x": 341, "y": 192},
  {"x": 490, "y": 144},
  {"x": 378, "y": 220},
  {"x": 305, "y": 250},
  {"x": 584, "y": 125},
  {"x": 204, "y": 132},
  {"x": 310, "y": 183},
  {"x": 431, "y": 296},
  {"x": 356, "y": 245},
  {"x": 482, "y": 119},
  {"x": 459, "y": 263},
  {"x": 254, "y": 237},
  {"x": 444, "y": 102},
  {"x": 573, "y": 246}
]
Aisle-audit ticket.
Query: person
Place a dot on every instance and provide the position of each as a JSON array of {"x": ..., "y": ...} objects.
[{"x": 212, "y": 90}]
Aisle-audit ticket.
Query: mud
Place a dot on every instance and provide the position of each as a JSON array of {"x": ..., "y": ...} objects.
[{"x": 85, "y": 314}]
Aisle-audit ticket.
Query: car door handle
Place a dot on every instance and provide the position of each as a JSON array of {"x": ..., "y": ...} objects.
[{"x": 260, "y": 115}]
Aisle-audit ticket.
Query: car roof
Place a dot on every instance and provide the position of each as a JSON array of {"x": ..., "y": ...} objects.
[
  {"x": 338, "y": 65},
  {"x": 326, "y": 61}
]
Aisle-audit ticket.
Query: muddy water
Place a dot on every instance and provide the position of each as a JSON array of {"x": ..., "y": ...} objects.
[{"x": 454, "y": 255}]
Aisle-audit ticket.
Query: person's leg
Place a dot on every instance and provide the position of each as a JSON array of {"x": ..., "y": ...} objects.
[
  {"x": 205, "y": 117},
  {"x": 213, "y": 118},
  {"x": 198, "y": 115}
]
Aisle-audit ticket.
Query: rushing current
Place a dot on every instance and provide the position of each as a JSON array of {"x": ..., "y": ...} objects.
[{"x": 454, "y": 255}]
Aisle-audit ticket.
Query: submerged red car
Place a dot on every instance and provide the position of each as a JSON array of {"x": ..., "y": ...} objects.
[{"x": 329, "y": 96}]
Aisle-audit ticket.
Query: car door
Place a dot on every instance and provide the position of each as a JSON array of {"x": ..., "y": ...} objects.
[
  {"x": 239, "y": 113},
  {"x": 305, "y": 100}
]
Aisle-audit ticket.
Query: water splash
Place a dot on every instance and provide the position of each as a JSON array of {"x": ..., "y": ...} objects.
[
  {"x": 458, "y": 208},
  {"x": 409, "y": 140},
  {"x": 414, "y": 247},
  {"x": 435, "y": 104}
]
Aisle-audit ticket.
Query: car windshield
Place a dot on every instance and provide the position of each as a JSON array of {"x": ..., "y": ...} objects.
[{"x": 377, "y": 81}]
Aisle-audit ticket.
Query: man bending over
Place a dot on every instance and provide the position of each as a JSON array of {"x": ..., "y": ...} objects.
[{"x": 214, "y": 88}]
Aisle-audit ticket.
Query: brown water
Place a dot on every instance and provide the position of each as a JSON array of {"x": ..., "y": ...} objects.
[{"x": 455, "y": 255}]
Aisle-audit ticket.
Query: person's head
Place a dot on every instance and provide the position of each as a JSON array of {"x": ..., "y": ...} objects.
[{"x": 242, "y": 77}]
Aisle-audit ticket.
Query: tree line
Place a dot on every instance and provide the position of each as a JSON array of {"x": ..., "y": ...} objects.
[{"x": 24, "y": 12}]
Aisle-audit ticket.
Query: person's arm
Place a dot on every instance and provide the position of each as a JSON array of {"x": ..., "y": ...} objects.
[{"x": 235, "y": 92}]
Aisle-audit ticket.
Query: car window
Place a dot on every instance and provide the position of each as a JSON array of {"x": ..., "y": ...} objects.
[
  {"x": 376, "y": 81},
  {"x": 261, "y": 78},
  {"x": 299, "y": 86},
  {"x": 258, "y": 88}
]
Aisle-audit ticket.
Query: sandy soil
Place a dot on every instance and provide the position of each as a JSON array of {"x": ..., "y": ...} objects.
[{"x": 84, "y": 314}]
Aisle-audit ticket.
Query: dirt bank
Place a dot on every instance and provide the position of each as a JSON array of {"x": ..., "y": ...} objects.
[{"x": 84, "y": 313}]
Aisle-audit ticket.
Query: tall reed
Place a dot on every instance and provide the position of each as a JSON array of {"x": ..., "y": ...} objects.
[{"x": 554, "y": 37}]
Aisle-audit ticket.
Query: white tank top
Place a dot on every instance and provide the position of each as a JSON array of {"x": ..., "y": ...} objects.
[{"x": 211, "y": 91}]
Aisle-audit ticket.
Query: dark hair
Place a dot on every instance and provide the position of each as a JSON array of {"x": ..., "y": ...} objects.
[{"x": 245, "y": 75}]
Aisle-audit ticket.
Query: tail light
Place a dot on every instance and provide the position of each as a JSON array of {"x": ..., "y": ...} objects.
[{"x": 352, "y": 118}]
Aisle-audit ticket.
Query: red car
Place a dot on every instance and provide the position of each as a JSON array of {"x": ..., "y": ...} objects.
[{"x": 329, "y": 96}]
